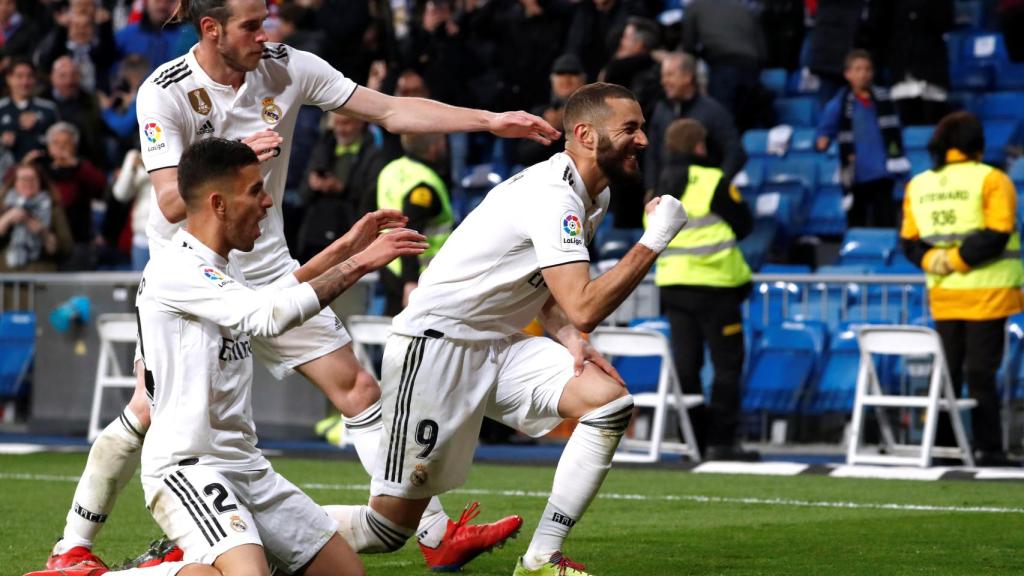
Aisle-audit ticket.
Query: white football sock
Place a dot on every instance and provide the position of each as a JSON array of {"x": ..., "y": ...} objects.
[
  {"x": 365, "y": 431},
  {"x": 112, "y": 462},
  {"x": 165, "y": 569},
  {"x": 366, "y": 531},
  {"x": 581, "y": 470}
]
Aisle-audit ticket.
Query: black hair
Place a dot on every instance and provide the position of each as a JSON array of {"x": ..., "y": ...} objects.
[
  {"x": 959, "y": 130},
  {"x": 210, "y": 160},
  {"x": 589, "y": 103},
  {"x": 195, "y": 10}
]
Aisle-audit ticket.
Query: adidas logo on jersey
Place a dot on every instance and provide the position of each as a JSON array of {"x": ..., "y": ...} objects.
[{"x": 205, "y": 130}]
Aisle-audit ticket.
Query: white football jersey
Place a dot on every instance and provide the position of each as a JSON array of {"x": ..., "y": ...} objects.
[
  {"x": 179, "y": 104},
  {"x": 485, "y": 283},
  {"x": 196, "y": 315}
]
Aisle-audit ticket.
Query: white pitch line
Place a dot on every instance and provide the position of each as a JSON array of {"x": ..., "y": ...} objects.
[{"x": 635, "y": 497}]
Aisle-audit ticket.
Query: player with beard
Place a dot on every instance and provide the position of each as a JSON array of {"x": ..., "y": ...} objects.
[
  {"x": 457, "y": 352},
  {"x": 234, "y": 84}
]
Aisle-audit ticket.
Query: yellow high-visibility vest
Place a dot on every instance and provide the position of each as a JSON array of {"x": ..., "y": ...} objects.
[{"x": 395, "y": 182}]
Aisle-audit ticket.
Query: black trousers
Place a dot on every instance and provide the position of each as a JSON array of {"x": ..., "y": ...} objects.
[
  {"x": 713, "y": 317},
  {"x": 974, "y": 348},
  {"x": 873, "y": 206}
]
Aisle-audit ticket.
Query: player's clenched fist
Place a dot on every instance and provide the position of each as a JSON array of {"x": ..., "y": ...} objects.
[
  {"x": 387, "y": 247},
  {"x": 665, "y": 218}
]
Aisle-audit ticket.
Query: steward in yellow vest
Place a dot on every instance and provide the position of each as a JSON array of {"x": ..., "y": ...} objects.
[
  {"x": 959, "y": 225},
  {"x": 703, "y": 281},
  {"x": 411, "y": 184}
]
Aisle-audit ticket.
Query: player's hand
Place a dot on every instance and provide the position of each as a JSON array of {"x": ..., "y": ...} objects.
[
  {"x": 665, "y": 218},
  {"x": 583, "y": 352},
  {"x": 387, "y": 247},
  {"x": 366, "y": 230},
  {"x": 265, "y": 143},
  {"x": 523, "y": 125}
]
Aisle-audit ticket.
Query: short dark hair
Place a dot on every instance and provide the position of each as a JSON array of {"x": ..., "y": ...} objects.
[
  {"x": 20, "y": 61},
  {"x": 856, "y": 54},
  {"x": 590, "y": 103},
  {"x": 960, "y": 130},
  {"x": 195, "y": 10},
  {"x": 683, "y": 135},
  {"x": 210, "y": 160},
  {"x": 646, "y": 31}
]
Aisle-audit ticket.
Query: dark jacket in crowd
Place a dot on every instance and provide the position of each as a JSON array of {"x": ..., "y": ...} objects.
[
  {"x": 723, "y": 31},
  {"x": 594, "y": 35},
  {"x": 915, "y": 45},
  {"x": 724, "y": 146},
  {"x": 783, "y": 24},
  {"x": 840, "y": 26}
]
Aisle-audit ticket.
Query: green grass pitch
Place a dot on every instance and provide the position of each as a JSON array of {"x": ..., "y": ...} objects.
[{"x": 647, "y": 522}]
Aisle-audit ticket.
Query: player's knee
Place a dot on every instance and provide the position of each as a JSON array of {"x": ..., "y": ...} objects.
[{"x": 613, "y": 416}]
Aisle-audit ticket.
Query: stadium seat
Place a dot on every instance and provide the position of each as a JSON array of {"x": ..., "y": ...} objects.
[
  {"x": 916, "y": 137},
  {"x": 755, "y": 142},
  {"x": 115, "y": 330},
  {"x": 614, "y": 243},
  {"x": 785, "y": 360},
  {"x": 800, "y": 111},
  {"x": 826, "y": 216},
  {"x": 755, "y": 247},
  {"x": 1016, "y": 171},
  {"x": 769, "y": 304},
  {"x": 875, "y": 313},
  {"x": 774, "y": 268},
  {"x": 999, "y": 135},
  {"x": 920, "y": 161},
  {"x": 17, "y": 348},
  {"x": 784, "y": 170},
  {"x": 751, "y": 178},
  {"x": 906, "y": 342},
  {"x": 999, "y": 106},
  {"x": 837, "y": 384},
  {"x": 621, "y": 342},
  {"x": 868, "y": 246},
  {"x": 802, "y": 140},
  {"x": 775, "y": 80}
]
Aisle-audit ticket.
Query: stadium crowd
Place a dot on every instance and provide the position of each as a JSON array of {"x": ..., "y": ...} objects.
[{"x": 72, "y": 69}]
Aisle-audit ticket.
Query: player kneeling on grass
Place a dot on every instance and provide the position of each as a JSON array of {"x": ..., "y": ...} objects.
[
  {"x": 207, "y": 485},
  {"x": 457, "y": 354}
]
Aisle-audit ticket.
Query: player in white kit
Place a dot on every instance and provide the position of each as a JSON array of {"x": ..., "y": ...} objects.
[
  {"x": 207, "y": 485},
  {"x": 235, "y": 85},
  {"x": 457, "y": 352}
]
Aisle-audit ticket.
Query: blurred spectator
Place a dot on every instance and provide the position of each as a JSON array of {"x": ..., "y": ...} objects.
[
  {"x": 863, "y": 120},
  {"x": 594, "y": 32},
  {"x": 632, "y": 65},
  {"x": 345, "y": 25},
  {"x": 527, "y": 36},
  {"x": 86, "y": 34},
  {"x": 782, "y": 23},
  {"x": 19, "y": 34},
  {"x": 27, "y": 221},
  {"x": 683, "y": 100},
  {"x": 917, "y": 58},
  {"x": 290, "y": 28},
  {"x": 76, "y": 183},
  {"x": 24, "y": 117},
  {"x": 726, "y": 35},
  {"x": 341, "y": 184},
  {"x": 408, "y": 84},
  {"x": 412, "y": 184},
  {"x": 79, "y": 107},
  {"x": 703, "y": 280},
  {"x": 153, "y": 37},
  {"x": 436, "y": 48},
  {"x": 132, "y": 183},
  {"x": 566, "y": 77},
  {"x": 118, "y": 108},
  {"x": 1011, "y": 22},
  {"x": 839, "y": 26}
]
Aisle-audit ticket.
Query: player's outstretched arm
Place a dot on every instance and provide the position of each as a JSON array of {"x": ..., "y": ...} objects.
[
  {"x": 408, "y": 115},
  {"x": 357, "y": 239},
  {"x": 587, "y": 302},
  {"x": 384, "y": 249}
]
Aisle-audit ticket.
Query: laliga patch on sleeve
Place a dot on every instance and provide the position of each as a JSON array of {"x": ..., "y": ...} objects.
[
  {"x": 421, "y": 196},
  {"x": 154, "y": 141},
  {"x": 572, "y": 231},
  {"x": 218, "y": 278}
]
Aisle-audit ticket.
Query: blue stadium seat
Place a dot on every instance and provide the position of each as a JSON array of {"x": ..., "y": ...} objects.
[
  {"x": 920, "y": 161},
  {"x": 751, "y": 178},
  {"x": 868, "y": 246},
  {"x": 769, "y": 303},
  {"x": 837, "y": 385},
  {"x": 875, "y": 313},
  {"x": 641, "y": 372},
  {"x": 613, "y": 243},
  {"x": 775, "y": 79},
  {"x": 1016, "y": 170},
  {"x": 916, "y": 137},
  {"x": 785, "y": 170},
  {"x": 797, "y": 111},
  {"x": 802, "y": 140},
  {"x": 828, "y": 169},
  {"x": 755, "y": 246},
  {"x": 786, "y": 358},
  {"x": 774, "y": 268},
  {"x": 898, "y": 264},
  {"x": 755, "y": 142},
  {"x": 1007, "y": 376},
  {"x": 826, "y": 217},
  {"x": 999, "y": 135},
  {"x": 17, "y": 347},
  {"x": 972, "y": 60},
  {"x": 999, "y": 106}
]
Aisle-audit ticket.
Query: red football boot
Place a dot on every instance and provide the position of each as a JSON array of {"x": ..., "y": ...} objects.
[
  {"x": 74, "y": 557},
  {"x": 462, "y": 541},
  {"x": 87, "y": 568}
]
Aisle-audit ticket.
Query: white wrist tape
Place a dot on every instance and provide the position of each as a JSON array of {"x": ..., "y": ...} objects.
[{"x": 668, "y": 219}]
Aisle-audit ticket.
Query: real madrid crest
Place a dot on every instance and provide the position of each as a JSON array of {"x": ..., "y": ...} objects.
[
  {"x": 200, "y": 101},
  {"x": 237, "y": 524},
  {"x": 271, "y": 112}
]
